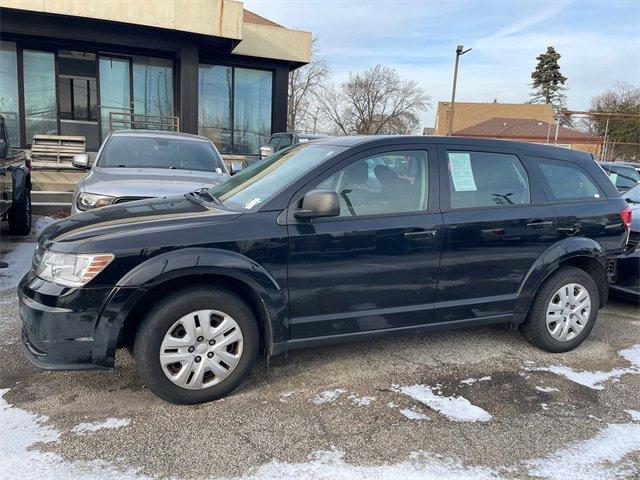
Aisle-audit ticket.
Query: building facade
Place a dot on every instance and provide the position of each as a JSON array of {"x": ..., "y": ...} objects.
[{"x": 197, "y": 66}]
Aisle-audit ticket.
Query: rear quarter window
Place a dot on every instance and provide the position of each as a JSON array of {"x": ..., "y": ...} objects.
[{"x": 567, "y": 181}]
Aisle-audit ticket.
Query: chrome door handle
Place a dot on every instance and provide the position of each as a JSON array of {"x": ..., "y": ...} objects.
[{"x": 421, "y": 233}]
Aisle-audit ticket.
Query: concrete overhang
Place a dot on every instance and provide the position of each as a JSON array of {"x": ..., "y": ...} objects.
[{"x": 207, "y": 18}]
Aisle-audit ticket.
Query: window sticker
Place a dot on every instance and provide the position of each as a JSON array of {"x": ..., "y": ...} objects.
[
  {"x": 252, "y": 203},
  {"x": 461, "y": 172},
  {"x": 613, "y": 177}
]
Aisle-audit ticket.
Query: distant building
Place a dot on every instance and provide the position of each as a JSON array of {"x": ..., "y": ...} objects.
[
  {"x": 88, "y": 67},
  {"x": 428, "y": 131},
  {"x": 524, "y": 122},
  {"x": 467, "y": 114}
]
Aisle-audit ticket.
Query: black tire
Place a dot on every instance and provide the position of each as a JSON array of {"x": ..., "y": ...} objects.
[
  {"x": 20, "y": 215},
  {"x": 151, "y": 332},
  {"x": 534, "y": 327}
]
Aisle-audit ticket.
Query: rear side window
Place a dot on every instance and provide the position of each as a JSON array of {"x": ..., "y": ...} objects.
[
  {"x": 486, "y": 179},
  {"x": 568, "y": 181}
]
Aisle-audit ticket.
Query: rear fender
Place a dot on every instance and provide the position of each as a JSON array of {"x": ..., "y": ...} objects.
[{"x": 547, "y": 263}]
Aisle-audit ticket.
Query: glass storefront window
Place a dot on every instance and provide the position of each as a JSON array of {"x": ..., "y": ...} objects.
[
  {"x": 214, "y": 105},
  {"x": 234, "y": 107},
  {"x": 39, "y": 94},
  {"x": 252, "y": 109},
  {"x": 115, "y": 93},
  {"x": 9, "y": 90},
  {"x": 153, "y": 90}
]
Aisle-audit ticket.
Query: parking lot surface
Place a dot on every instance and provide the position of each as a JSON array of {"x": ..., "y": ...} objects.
[{"x": 480, "y": 403}]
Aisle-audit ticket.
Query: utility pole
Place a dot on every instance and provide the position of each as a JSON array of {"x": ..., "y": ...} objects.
[{"x": 459, "y": 53}]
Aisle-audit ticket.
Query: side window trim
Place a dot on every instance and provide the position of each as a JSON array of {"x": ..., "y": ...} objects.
[
  {"x": 536, "y": 194},
  {"x": 433, "y": 179}
]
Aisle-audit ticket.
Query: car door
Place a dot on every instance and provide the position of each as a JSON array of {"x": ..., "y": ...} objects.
[
  {"x": 375, "y": 266},
  {"x": 497, "y": 222}
]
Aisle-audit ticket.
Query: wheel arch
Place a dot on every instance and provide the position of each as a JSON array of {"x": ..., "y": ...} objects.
[
  {"x": 579, "y": 252},
  {"x": 139, "y": 289}
]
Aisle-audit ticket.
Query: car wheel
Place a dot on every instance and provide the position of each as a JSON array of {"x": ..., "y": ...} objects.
[
  {"x": 20, "y": 215},
  {"x": 197, "y": 345},
  {"x": 563, "y": 312}
]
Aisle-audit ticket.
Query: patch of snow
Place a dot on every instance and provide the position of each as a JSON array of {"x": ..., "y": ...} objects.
[
  {"x": 19, "y": 256},
  {"x": 363, "y": 401},
  {"x": 458, "y": 409},
  {"x": 471, "y": 381},
  {"x": 545, "y": 406},
  {"x": 635, "y": 415},
  {"x": 109, "y": 423},
  {"x": 595, "y": 380},
  {"x": 597, "y": 457},
  {"x": 328, "y": 396},
  {"x": 547, "y": 389},
  {"x": 595, "y": 418},
  {"x": 331, "y": 465},
  {"x": 22, "y": 430},
  {"x": 392, "y": 405},
  {"x": 412, "y": 414}
]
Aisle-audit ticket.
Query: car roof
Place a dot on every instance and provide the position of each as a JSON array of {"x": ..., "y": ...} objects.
[
  {"x": 158, "y": 134},
  {"x": 534, "y": 149}
]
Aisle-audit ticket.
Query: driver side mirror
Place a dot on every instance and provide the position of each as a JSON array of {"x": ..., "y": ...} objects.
[
  {"x": 235, "y": 167},
  {"x": 81, "y": 161},
  {"x": 319, "y": 203}
]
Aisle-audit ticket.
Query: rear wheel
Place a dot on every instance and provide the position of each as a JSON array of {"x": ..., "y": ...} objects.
[
  {"x": 20, "y": 215},
  {"x": 197, "y": 345},
  {"x": 563, "y": 312}
]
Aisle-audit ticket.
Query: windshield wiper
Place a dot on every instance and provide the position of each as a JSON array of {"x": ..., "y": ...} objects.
[{"x": 204, "y": 192}]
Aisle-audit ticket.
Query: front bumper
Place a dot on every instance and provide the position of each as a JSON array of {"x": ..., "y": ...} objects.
[{"x": 63, "y": 328}]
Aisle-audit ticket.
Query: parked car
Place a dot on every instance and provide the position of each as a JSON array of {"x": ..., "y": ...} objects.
[
  {"x": 331, "y": 241},
  {"x": 623, "y": 175},
  {"x": 139, "y": 164},
  {"x": 627, "y": 284},
  {"x": 280, "y": 141},
  {"x": 15, "y": 185}
]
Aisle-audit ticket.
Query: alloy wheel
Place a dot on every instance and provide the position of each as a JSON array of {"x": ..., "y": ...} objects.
[
  {"x": 201, "y": 349},
  {"x": 568, "y": 312}
]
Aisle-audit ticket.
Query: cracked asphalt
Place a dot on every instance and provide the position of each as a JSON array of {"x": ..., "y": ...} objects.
[{"x": 274, "y": 416}]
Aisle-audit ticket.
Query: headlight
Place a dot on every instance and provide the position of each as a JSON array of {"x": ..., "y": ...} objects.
[
  {"x": 88, "y": 201},
  {"x": 72, "y": 270}
]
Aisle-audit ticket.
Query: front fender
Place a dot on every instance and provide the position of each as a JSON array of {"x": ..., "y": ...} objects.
[
  {"x": 21, "y": 184},
  {"x": 172, "y": 266},
  {"x": 547, "y": 263}
]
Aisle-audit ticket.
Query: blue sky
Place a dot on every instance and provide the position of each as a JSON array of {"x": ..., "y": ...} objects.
[{"x": 599, "y": 42}]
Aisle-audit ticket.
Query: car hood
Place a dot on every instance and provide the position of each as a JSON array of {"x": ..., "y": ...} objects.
[
  {"x": 148, "y": 182},
  {"x": 142, "y": 217}
]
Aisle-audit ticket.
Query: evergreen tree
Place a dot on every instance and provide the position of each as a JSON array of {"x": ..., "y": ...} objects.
[{"x": 548, "y": 83}]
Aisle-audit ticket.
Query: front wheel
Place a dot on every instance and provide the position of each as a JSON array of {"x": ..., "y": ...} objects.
[
  {"x": 197, "y": 345},
  {"x": 563, "y": 312}
]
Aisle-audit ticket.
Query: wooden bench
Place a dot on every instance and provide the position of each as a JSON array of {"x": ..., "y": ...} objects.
[{"x": 55, "y": 151}]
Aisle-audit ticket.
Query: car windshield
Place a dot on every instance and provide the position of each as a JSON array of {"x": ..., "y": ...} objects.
[
  {"x": 633, "y": 194},
  {"x": 622, "y": 176},
  {"x": 181, "y": 153},
  {"x": 255, "y": 185}
]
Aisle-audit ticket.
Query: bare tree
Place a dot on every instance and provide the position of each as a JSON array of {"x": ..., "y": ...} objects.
[
  {"x": 305, "y": 84},
  {"x": 623, "y": 133},
  {"x": 374, "y": 102}
]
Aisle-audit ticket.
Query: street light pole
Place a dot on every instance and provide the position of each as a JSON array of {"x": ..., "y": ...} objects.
[{"x": 459, "y": 53}]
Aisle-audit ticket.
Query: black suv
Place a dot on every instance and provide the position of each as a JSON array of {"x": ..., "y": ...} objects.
[
  {"x": 331, "y": 241},
  {"x": 15, "y": 185}
]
